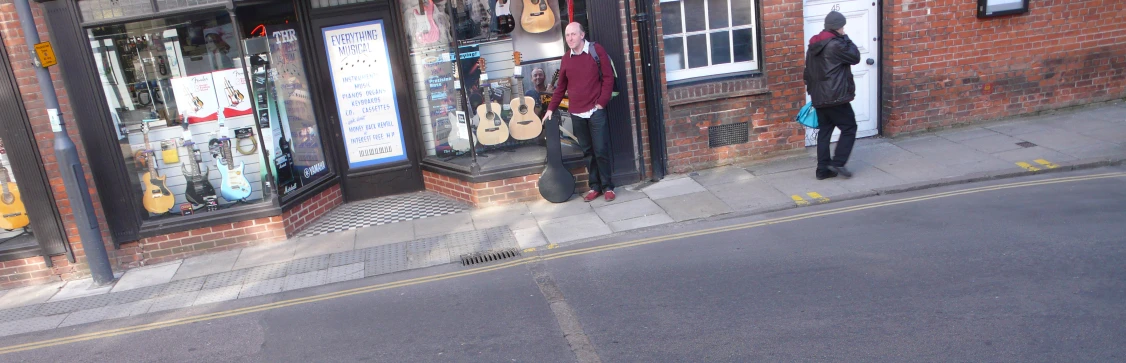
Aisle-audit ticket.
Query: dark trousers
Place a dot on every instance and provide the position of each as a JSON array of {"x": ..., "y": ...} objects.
[
  {"x": 594, "y": 139},
  {"x": 840, "y": 117}
]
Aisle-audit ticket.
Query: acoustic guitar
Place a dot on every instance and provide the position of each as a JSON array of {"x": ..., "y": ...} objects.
[
  {"x": 13, "y": 215},
  {"x": 491, "y": 130},
  {"x": 505, "y": 22},
  {"x": 556, "y": 183},
  {"x": 459, "y": 130},
  {"x": 156, "y": 198},
  {"x": 525, "y": 124},
  {"x": 199, "y": 191},
  {"x": 538, "y": 16}
]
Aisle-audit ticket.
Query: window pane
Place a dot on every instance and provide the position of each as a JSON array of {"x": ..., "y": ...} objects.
[
  {"x": 694, "y": 15},
  {"x": 744, "y": 45},
  {"x": 670, "y": 18},
  {"x": 721, "y": 48},
  {"x": 742, "y": 12},
  {"x": 674, "y": 54},
  {"x": 698, "y": 51},
  {"x": 717, "y": 14}
]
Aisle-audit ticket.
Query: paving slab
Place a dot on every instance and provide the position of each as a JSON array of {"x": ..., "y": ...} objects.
[
  {"x": 545, "y": 211},
  {"x": 1032, "y": 153},
  {"x": 31, "y": 325},
  {"x": 325, "y": 244},
  {"x": 29, "y": 295},
  {"x": 514, "y": 216},
  {"x": 866, "y": 177},
  {"x": 130, "y": 309},
  {"x": 450, "y": 223},
  {"x": 722, "y": 175},
  {"x": 627, "y": 210},
  {"x": 970, "y": 133},
  {"x": 641, "y": 222},
  {"x": 916, "y": 170},
  {"x": 1058, "y": 139},
  {"x": 308, "y": 279},
  {"x": 878, "y": 155},
  {"x": 784, "y": 165},
  {"x": 983, "y": 166},
  {"x": 265, "y": 254},
  {"x": 170, "y": 302},
  {"x": 1020, "y": 127},
  {"x": 941, "y": 150},
  {"x": 529, "y": 237},
  {"x": 671, "y": 188},
  {"x": 263, "y": 287},
  {"x": 574, "y": 228},
  {"x": 207, "y": 264},
  {"x": 345, "y": 273},
  {"x": 748, "y": 195},
  {"x": 147, "y": 276},
  {"x": 800, "y": 182},
  {"x": 1115, "y": 134},
  {"x": 384, "y": 234},
  {"x": 209, "y": 296},
  {"x": 79, "y": 288},
  {"x": 993, "y": 144},
  {"x": 86, "y": 316},
  {"x": 693, "y": 206},
  {"x": 1097, "y": 151},
  {"x": 621, "y": 195}
]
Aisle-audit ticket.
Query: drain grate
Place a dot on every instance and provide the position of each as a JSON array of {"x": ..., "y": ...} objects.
[
  {"x": 488, "y": 256},
  {"x": 1026, "y": 144},
  {"x": 729, "y": 134}
]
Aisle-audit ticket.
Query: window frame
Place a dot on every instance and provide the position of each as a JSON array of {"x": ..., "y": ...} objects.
[{"x": 732, "y": 67}]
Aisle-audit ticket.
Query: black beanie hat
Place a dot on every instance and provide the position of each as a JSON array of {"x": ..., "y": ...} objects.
[{"x": 834, "y": 20}]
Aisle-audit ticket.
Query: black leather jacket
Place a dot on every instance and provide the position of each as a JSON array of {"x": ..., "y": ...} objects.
[{"x": 828, "y": 73}]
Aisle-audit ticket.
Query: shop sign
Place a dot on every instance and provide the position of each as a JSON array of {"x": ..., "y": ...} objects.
[{"x": 365, "y": 93}]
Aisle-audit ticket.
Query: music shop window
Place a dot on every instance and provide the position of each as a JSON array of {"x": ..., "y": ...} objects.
[
  {"x": 708, "y": 37},
  {"x": 184, "y": 116},
  {"x": 484, "y": 74}
]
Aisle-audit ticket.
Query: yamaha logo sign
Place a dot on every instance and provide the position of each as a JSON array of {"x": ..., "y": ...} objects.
[{"x": 314, "y": 170}]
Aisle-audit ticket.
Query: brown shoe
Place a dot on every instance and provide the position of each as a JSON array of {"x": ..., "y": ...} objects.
[
  {"x": 589, "y": 196},
  {"x": 609, "y": 196}
]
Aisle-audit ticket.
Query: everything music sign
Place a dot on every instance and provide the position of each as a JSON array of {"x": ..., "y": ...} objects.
[{"x": 365, "y": 93}]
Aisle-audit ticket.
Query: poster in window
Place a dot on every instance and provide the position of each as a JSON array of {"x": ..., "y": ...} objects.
[
  {"x": 990, "y": 8},
  {"x": 299, "y": 133},
  {"x": 538, "y": 33},
  {"x": 364, "y": 89},
  {"x": 195, "y": 98},
  {"x": 233, "y": 92}
]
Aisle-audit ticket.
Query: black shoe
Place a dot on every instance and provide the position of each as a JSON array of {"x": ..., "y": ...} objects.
[
  {"x": 842, "y": 171},
  {"x": 826, "y": 174}
]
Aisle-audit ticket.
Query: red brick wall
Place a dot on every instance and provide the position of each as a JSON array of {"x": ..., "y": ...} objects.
[
  {"x": 767, "y": 101},
  {"x": 947, "y": 67},
  {"x": 497, "y": 192},
  {"x": 221, "y": 237},
  {"x": 297, "y": 218}
]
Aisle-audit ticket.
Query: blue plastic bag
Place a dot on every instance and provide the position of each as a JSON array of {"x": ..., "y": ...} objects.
[{"x": 807, "y": 116}]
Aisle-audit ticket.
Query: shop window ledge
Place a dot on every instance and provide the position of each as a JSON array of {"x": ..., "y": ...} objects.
[{"x": 264, "y": 209}]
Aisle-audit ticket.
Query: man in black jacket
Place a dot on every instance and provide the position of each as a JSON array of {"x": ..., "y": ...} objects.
[{"x": 828, "y": 80}]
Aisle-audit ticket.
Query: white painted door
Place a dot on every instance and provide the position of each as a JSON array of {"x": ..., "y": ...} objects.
[{"x": 862, "y": 29}]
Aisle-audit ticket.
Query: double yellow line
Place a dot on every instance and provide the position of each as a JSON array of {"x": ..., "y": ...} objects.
[{"x": 545, "y": 257}]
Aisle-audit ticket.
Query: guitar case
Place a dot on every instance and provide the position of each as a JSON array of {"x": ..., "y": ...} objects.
[{"x": 556, "y": 184}]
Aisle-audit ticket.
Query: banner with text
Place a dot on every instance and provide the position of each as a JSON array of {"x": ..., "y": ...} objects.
[{"x": 365, "y": 93}]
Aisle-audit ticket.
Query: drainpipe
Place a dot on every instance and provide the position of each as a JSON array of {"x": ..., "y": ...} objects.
[
  {"x": 70, "y": 167},
  {"x": 636, "y": 102},
  {"x": 654, "y": 105}
]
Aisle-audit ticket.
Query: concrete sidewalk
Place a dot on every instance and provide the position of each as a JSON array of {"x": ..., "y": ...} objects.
[{"x": 1086, "y": 137}]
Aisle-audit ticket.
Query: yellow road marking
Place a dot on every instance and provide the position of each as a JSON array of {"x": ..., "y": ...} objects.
[
  {"x": 1027, "y": 166},
  {"x": 512, "y": 263},
  {"x": 798, "y": 200},
  {"x": 530, "y": 249},
  {"x": 817, "y": 196},
  {"x": 1046, "y": 163},
  {"x": 552, "y": 246}
]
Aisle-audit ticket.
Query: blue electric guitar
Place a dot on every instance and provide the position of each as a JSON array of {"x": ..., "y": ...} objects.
[{"x": 235, "y": 186}]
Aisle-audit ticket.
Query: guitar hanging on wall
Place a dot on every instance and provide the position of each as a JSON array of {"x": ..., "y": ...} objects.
[
  {"x": 199, "y": 191},
  {"x": 524, "y": 124},
  {"x": 156, "y": 198},
  {"x": 459, "y": 129},
  {"x": 13, "y": 214},
  {"x": 491, "y": 130},
  {"x": 426, "y": 29},
  {"x": 235, "y": 186},
  {"x": 505, "y": 22},
  {"x": 538, "y": 16}
]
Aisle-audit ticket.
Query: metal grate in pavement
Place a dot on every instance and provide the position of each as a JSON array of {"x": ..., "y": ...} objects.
[
  {"x": 490, "y": 256},
  {"x": 1026, "y": 144}
]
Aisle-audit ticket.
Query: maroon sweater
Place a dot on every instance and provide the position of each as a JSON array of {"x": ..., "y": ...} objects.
[{"x": 580, "y": 74}]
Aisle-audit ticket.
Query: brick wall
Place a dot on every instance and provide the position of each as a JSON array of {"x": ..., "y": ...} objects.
[
  {"x": 297, "y": 218},
  {"x": 497, "y": 192},
  {"x": 947, "y": 67},
  {"x": 625, "y": 73},
  {"x": 221, "y": 237},
  {"x": 767, "y": 101}
]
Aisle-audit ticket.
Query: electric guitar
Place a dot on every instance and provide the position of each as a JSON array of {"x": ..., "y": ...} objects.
[
  {"x": 199, "y": 191},
  {"x": 284, "y": 160},
  {"x": 13, "y": 215},
  {"x": 426, "y": 33},
  {"x": 538, "y": 16},
  {"x": 525, "y": 124},
  {"x": 156, "y": 198},
  {"x": 491, "y": 130},
  {"x": 505, "y": 22},
  {"x": 459, "y": 130},
  {"x": 235, "y": 186}
]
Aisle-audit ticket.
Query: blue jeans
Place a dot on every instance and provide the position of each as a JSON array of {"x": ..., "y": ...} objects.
[{"x": 594, "y": 140}]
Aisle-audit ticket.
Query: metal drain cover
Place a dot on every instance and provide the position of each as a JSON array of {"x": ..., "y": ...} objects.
[
  {"x": 488, "y": 256},
  {"x": 1026, "y": 144}
]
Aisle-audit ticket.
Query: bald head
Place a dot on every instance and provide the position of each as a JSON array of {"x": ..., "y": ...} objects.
[{"x": 575, "y": 37}]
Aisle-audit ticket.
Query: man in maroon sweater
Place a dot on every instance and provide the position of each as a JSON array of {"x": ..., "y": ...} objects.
[{"x": 579, "y": 72}]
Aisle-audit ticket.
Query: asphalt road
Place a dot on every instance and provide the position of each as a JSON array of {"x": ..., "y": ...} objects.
[{"x": 1028, "y": 274}]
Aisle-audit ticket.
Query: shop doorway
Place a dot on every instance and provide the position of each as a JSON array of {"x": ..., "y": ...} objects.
[
  {"x": 366, "y": 100},
  {"x": 863, "y": 29}
]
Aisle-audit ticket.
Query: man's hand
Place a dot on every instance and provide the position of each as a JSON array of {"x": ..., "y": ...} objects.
[
  {"x": 547, "y": 115},
  {"x": 597, "y": 106}
]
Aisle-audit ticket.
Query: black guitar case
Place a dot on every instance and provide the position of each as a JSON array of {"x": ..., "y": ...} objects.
[{"x": 556, "y": 184}]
